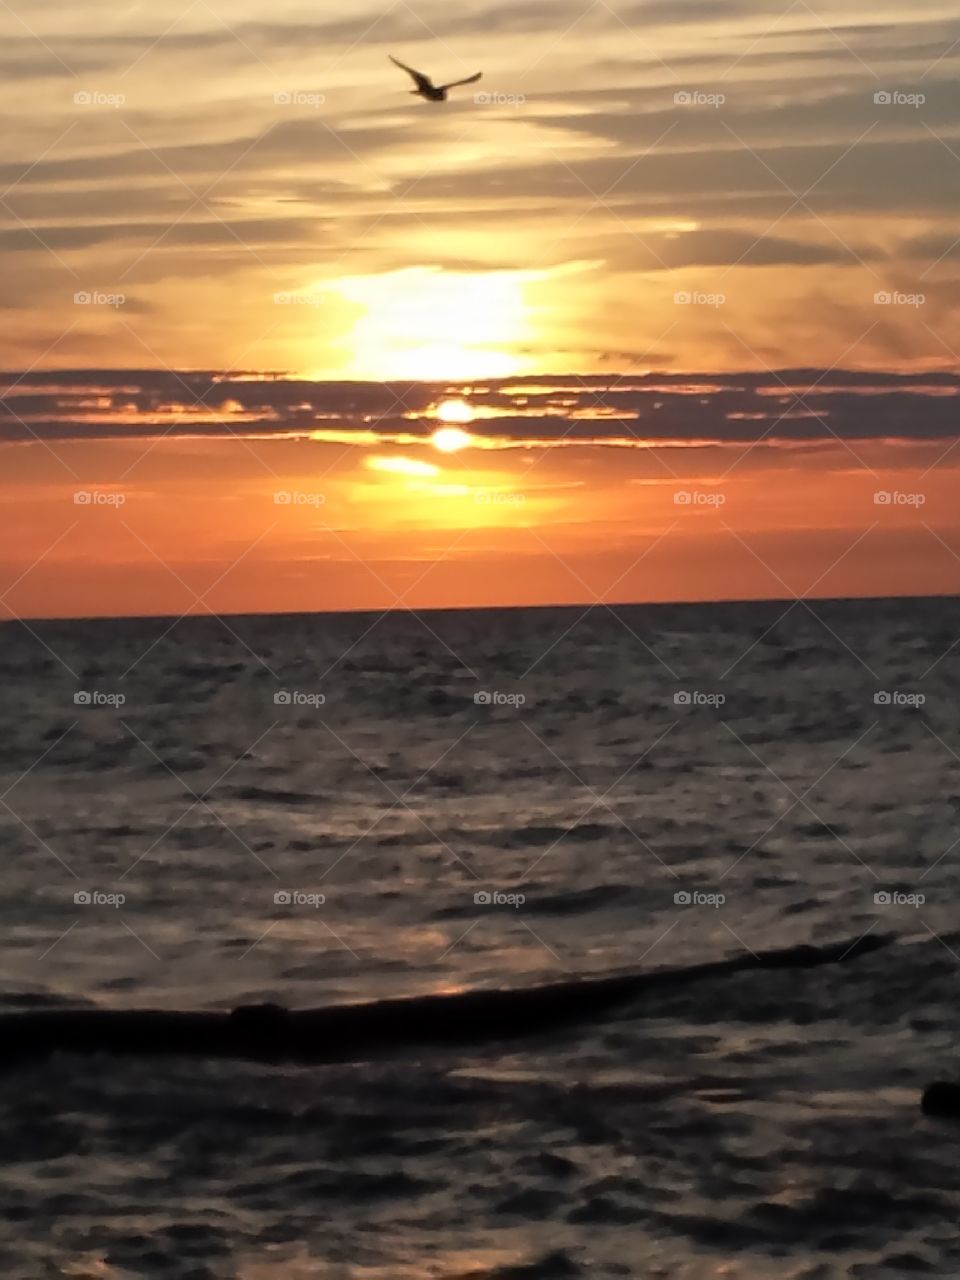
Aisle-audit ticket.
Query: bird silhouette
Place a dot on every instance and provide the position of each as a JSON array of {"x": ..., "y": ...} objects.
[{"x": 425, "y": 86}]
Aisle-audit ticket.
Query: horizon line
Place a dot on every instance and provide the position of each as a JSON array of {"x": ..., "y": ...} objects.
[{"x": 485, "y": 608}]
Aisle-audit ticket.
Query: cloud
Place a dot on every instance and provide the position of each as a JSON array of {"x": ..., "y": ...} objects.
[
  {"x": 723, "y": 246},
  {"x": 250, "y": 231},
  {"x": 627, "y": 410},
  {"x": 596, "y": 160}
]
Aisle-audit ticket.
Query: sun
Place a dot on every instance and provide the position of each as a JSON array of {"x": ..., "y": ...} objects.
[
  {"x": 454, "y": 411},
  {"x": 451, "y": 439},
  {"x": 424, "y": 324}
]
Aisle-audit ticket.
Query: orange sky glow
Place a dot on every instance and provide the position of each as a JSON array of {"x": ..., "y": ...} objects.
[{"x": 665, "y": 308}]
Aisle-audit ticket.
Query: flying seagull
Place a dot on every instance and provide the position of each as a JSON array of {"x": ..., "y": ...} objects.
[{"x": 425, "y": 86}]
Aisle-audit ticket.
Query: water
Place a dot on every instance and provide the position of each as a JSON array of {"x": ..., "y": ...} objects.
[{"x": 747, "y": 1126}]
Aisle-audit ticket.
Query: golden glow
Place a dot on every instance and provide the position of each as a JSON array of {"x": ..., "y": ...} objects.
[
  {"x": 426, "y": 324},
  {"x": 448, "y": 490},
  {"x": 454, "y": 411},
  {"x": 451, "y": 439},
  {"x": 402, "y": 466}
]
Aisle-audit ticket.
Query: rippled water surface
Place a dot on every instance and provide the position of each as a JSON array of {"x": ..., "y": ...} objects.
[{"x": 317, "y": 809}]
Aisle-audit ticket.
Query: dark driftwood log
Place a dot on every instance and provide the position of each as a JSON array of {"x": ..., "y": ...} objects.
[
  {"x": 942, "y": 1098},
  {"x": 387, "y": 1028}
]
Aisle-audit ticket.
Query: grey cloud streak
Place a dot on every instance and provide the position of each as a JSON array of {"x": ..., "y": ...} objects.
[{"x": 789, "y": 406}]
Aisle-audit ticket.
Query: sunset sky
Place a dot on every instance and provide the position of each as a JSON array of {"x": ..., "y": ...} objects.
[{"x": 665, "y": 307}]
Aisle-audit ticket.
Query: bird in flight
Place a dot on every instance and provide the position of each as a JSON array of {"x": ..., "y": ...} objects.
[{"x": 425, "y": 86}]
